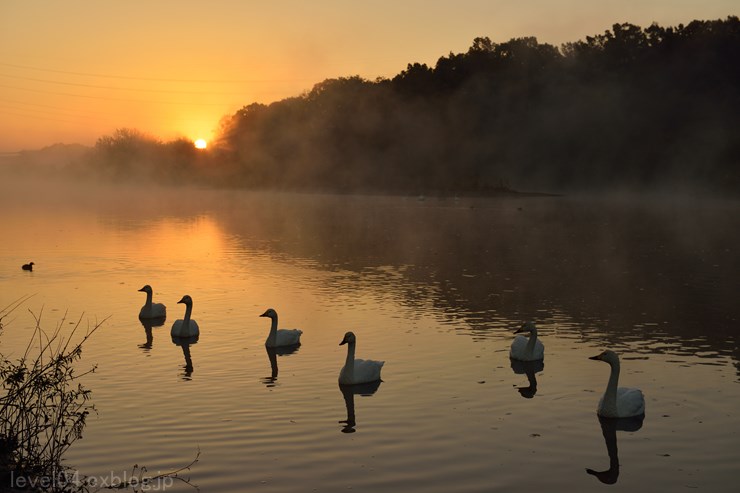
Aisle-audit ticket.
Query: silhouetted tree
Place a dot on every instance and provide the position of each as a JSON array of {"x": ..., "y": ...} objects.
[{"x": 631, "y": 107}]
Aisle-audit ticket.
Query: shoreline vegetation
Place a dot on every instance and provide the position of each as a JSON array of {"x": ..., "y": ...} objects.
[
  {"x": 43, "y": 411},
  {"x": 635, "y": 109},
  {"x": 43, "y": 405}
]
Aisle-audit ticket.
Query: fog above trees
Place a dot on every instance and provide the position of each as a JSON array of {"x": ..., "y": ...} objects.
[{"x": 633, "y": 108}]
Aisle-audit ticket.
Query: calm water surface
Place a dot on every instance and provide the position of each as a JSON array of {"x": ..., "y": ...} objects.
[{"x": 434, "y": 288}]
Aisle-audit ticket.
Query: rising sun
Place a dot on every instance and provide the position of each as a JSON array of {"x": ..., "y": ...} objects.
[{"x": 200, "y": 144}]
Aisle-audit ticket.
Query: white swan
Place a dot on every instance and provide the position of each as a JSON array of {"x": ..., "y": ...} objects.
[
  {"x": 527, "y": 349},
  {"x": 357, "y": 371},
  {"x": 185, "y": 327},
  {"x": 618, "y": 402},
  {"x": 151, "y": 310},
  {"x": 280, "y": 337}
]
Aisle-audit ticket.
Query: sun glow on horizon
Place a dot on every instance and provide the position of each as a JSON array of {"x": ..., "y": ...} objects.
[{"x": 200, "y": 144}]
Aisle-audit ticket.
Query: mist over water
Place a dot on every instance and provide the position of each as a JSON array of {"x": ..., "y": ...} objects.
[
  {"x": 433, "y": 286},
  {"x": 631, "y": 264}
]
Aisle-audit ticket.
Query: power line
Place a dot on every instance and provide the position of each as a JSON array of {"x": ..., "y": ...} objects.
[
  {"x": 93, "y": 86},
  {"x": 11, "y": 101},
  {"x": 46, "y": 110},
  {"x": 151, "y": 79},
  {"x": 32, "y": 117},
  {"x": 40, "y": 91}
]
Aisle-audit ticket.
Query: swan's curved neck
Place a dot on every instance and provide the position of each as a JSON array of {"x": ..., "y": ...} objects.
[
  {"x": 188, "y": 312},
  {"x": 148, "y": 298},
  {"x": 532, "y": 341},
  {"x": 349, "y": 364},
  {"x": 272, "y": 337},
  {"x": 610, "y": 395}
]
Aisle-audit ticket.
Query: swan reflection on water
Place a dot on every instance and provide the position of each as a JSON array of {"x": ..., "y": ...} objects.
[
  {"x": 185, "y": 343},
  {"x": 148, "y": 324},
  {"x": 609, "y": 428},
  {"x": 529, "y": 368},
  {"x": 272, "y": 354},
  {"x": 349, "y": 392}
]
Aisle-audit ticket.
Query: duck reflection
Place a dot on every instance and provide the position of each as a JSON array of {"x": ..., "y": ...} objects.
[
  {"x": 185, "y": 343},
  {"x": 609, "y": 427},
  {"x": 148, "y": 324},
  {"x": 272, "y": 354},
  {"x": 349, "y": 392},
  {"x": 529, "y": 368}
]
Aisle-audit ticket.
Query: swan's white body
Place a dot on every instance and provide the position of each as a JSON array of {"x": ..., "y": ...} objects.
[
  {"x": 357, "y": 371},
  {"x": 185, "y": 327},
  {"x": 618, "y": 402},
  {"x": 527, "y": 349},
  {"x": 151, "y": 310},
  {"x": 280, "y": 337}
]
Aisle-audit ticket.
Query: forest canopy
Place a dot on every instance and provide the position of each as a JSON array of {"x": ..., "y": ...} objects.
[{"x": 635, "y": 108}]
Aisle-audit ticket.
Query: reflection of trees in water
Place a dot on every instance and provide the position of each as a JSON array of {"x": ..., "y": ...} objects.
[
  {"x": 617, "y": 267},
  {"x": 655, "y": 271}
]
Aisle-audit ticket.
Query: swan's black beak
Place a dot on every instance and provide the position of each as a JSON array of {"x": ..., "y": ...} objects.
[
  {"x": 264, "y": 315},
  {"x": 522, "y": 328},
  {"x": 597, "y": 357},
  {"x": 142, "y": 289},
  {"x": 344, "y": 341}
]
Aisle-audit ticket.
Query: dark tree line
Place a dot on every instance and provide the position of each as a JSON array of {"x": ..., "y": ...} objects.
[{"x": 635, "y": 108}]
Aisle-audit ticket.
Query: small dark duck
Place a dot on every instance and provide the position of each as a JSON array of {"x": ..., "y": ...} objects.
[{"x": 28, "y": 266}]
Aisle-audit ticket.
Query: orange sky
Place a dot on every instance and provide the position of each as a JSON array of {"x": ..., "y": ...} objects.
[{"x": 71, "y": 71}]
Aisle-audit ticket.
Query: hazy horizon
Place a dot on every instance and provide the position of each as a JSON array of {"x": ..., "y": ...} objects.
[{"x": 76, "y": 71}]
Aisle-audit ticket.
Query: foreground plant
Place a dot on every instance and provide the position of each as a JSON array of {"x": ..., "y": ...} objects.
[
  {"x": 138, "y": 480},
  {"x": 43, "y": 406},
  {"x": 43, "y": 410}
]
